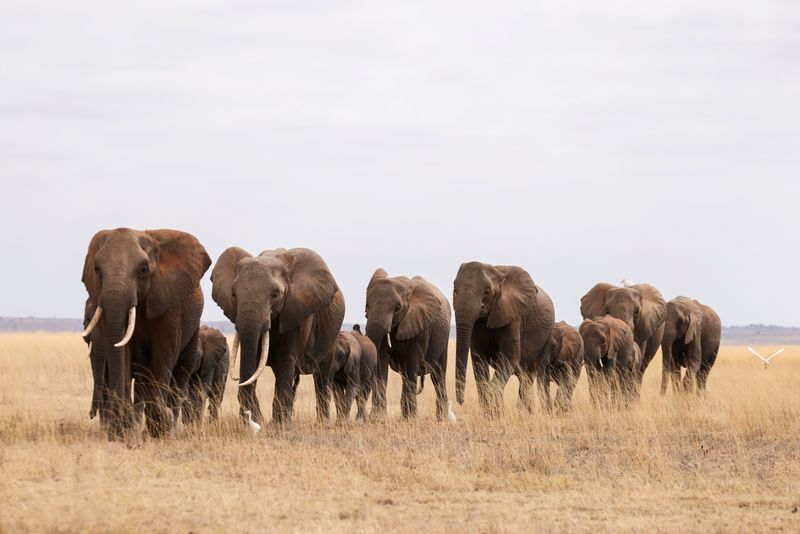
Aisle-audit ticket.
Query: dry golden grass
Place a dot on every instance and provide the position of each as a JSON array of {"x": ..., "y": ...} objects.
[{"x": 727, "y": 463}]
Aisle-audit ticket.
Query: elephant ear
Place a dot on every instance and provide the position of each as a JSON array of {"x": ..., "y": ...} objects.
[
  {"x": 222, "y": 280},
  {"x": 354, "y": 353},
  {"x": 182, "y": 262},
  {"x": 517, "y": 293},
  {"x": 311, "y": 287},
  {"x": 593, "y": 303},
  {"x": 90, "y": 278},
  {"x": 422, "y": 308},
  {"x": 693, "y": 328},
  {"x": 652, "y": 313}
]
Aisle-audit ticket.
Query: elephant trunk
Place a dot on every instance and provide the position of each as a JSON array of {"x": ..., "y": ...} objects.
[
  {"x": 116, "y": 306},
  {"x": 251, "y": 330},
  {"x": 463, "y": 337},
  {"x": 378, "y": 331}
]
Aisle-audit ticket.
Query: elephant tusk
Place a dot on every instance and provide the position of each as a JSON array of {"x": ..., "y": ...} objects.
[
  {"x": 235, "y": 351},
  {"x": 600, "y": 361},
  {"x": 389, "y": 340},
  {"x": 98, "y": 313},
  {"x": 129, "y": 331},
  {"x": 262, "y": 363}
]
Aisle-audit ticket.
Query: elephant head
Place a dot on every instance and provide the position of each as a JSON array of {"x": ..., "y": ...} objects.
[
  {"x": 641, "y": 306},
  {"x": 278, "y": 288},
  {"x": 496, "y": 294},
  {"x": 126, "y": 270},
  {"x": 603, "y": 339},
  {"x": 399, "y": 305},
  {"x": 684, "y": 320},
  {"x": 213, "y": 349},
  {"x": 346, "y": 353}
]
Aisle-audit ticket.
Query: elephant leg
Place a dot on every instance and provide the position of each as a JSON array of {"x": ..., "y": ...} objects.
[
  {"x": 339, "y": 391},
  {"x": 666, "y": 368},
  {"x": 438, "y": 373},
  {"x": 379, "y": 394},
  {"x": 702, "y": 378},
  {"x": 322, "y": 391},
  {"x": 192, "y": 406},
  {"x": 188, "y": 362},
  {"x": 525, "y": 391},
  {"x": 502, "y": 373},
  {"x": 543, "y": 385},
  {"x": 481, "y": 370},
  {"x": 693, "y": 360},
  {"x": 295, "y": 384},
  {"x": 409, "y": 370},
  {"x": 216, "y": 394}
]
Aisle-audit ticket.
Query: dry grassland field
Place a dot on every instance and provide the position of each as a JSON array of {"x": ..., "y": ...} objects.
[{"x": 728, "y": 463}]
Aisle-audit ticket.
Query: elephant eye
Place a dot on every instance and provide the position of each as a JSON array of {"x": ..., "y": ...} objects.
[
  {"x": 486, "y": 291},
  {"x": 145, "y": 268},
  {"x": 97, "y": 269},
  {"x": 397, "y": 308}
]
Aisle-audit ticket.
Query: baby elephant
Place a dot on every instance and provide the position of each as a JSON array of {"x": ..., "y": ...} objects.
[
  {"x": 612, "y": 359},
  {"x": 352, "y": 373},
  {"x": 565, "y": 349},
  {"x": 691, "y": 340},
  {"x": 208, "y": 380}
]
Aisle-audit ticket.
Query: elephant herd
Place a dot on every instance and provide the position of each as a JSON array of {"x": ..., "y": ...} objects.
[{"x": 153, "y": 361}]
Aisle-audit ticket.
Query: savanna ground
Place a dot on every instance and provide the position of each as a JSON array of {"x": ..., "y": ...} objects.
[{"x": 730, "y": 462}]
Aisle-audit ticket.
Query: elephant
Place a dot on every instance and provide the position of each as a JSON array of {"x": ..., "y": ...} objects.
[
  {"x": 408, "y": 320},
  {"x": 505, "y": 320},
  {"x": 157, "y": 274},
  {"x": 691, "y": 340},
  {"x": 353, "y": 373},
  {"x": 563, "y": 366},
  {"x": 288, "y": 310},
  {"x": 208, "y": 379},
  {"x": 639, "y": 305},
  {"x": 612, "y": 359}
]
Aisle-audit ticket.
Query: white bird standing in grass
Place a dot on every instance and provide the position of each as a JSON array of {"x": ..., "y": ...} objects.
[
  {"x": 763, "y": 359},
  {"x": 254, "y": 427},
  {"x": 450, "y": 415}
]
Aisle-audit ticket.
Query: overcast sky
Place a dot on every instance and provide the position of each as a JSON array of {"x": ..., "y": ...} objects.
[{"x": 590, "y": 142}]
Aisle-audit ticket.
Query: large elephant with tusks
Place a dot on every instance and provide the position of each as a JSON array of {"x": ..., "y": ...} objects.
[
  {"x": 145, "y": 304},
  {"x": 288, "y": 310}
]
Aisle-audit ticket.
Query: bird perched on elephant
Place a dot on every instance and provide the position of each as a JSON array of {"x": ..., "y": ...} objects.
[
  {"x": 612, "y": 359},
  {"x": 691, "y": 339},
  {"x": 562, "y": 366},
  {"x": 504, "y": 319},
  {"x": 408, "y": 320},
  {"x": 287, "y": 309},
  {"x": 145, "y": 305},
  {"x": 208, "y": 379},
  {"x": 352, "y": 373},
  {"x": 641, "y": 306}
]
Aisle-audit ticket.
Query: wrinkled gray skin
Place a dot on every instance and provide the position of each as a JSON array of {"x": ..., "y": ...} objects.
[
  {"x": 641, "y": 306},
  {"x": 353, "y": 374},
  {"x": 208, "y": 379},
  {"x": 158, "y": 272},
  {"x": 612, "y": 359},
  {"x": 563, "y": 366},
  {"x": 416, "y": 316},
  {"x": 504, "y": 319},
  {"x": 291, "y": 298},
  {"x": 691, "y": 340}
]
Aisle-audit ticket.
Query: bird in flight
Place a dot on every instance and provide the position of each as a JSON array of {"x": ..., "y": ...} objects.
[{"x": 763, "y": 359}]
